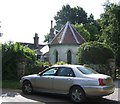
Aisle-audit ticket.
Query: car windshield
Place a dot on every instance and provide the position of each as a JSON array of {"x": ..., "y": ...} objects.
[{"x": 87, "y": 70}]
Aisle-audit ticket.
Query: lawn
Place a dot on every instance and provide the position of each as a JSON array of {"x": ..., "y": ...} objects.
[{"x": 11, "y": 84}]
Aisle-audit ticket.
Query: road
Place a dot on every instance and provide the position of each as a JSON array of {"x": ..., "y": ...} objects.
[{"x": 17, "y": 97}]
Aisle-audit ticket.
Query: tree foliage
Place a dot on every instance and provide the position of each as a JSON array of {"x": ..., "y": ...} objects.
[
  {"x": 81, "y": 29},
  {"x": 110, "y": 24},
  {"x": 94, "y": 53},
  {"x": 12, "y": 54},
  {"x": 74, "y": 15},
  {"x": 46, "y": 38},
  {"x": 93, "y": 27},
  {"x": 78, "y": 16}
]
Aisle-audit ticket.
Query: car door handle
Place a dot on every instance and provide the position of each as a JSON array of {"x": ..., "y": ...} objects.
[{"x": 50, "y": 78}]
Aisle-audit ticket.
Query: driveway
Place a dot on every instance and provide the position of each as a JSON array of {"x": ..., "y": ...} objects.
[{"x": 43, "y": 98}]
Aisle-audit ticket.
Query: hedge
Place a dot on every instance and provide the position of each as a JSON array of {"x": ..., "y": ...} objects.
[{"x": 94, "y": 53}]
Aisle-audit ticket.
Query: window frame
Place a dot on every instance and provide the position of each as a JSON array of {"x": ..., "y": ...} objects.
[
  {"x": 42, "y": 73},
  {"x": 69, "y": 57},
  {"x": 71, "y": 71},
  {"x": 56, "y": 56}
]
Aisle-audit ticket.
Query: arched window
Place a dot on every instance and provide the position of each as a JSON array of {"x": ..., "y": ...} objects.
[
  {"x": 56, "y": 56},
  {"x": 69, "y": 57}
]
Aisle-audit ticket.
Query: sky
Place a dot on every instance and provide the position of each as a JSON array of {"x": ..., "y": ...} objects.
[{"x": 21, "y": 19}]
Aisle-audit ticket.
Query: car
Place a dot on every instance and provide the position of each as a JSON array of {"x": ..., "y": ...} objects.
[{"x": 77, "y": 81}]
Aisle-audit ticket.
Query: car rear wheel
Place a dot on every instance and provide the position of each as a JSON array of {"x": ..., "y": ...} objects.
[
  {"x": 77, "y": 94},
  {"x": 27, "y": 87}
]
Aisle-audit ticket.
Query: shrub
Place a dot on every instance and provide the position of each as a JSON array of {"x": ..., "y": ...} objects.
[
  {"x": 36, "y": 67},
  {"x": 94, "y": 53},
  {"x": 12, "y": 55}
]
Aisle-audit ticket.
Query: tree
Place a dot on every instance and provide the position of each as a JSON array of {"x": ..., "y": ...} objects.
[
  {"x": 110, "y": 27},
  {"x": 93, "y": 27},
  {"x": 78, "y": 16},
  {"x": 46, "y": 38},
  {"x": 116, "y": 12},
  {"x": 74, "y": 15},
  {"x": 91, "y": 18},
  {"x": 80, "y": 28}
]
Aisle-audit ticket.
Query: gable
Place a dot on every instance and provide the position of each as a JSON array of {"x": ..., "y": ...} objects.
[{"x": 68, "y": 35}]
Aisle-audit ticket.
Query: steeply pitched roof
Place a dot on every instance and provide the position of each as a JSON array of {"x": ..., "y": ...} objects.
[{"x": 68, "y": 35}]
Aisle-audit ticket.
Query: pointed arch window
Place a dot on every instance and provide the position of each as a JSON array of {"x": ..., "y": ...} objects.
[
  {"x": 69, "y": 57},
  {"x": 56, "y": 56}
]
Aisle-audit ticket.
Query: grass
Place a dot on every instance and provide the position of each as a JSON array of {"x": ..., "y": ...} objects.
[{"x": 11, "y": 84}]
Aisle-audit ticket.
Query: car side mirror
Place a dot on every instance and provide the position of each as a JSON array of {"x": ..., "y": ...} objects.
[{"x": 40, "y": 74}]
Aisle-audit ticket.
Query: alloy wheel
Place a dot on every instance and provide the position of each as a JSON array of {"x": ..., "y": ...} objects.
[
  {"x": 77, "y": 94},
  {"x": 27, "y": 87}
]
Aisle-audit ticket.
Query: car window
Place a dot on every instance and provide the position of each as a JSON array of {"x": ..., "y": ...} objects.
[
  {"x": 50, "y": 72},
  {"x": 87, "y": 70},
  {"x": 65, "y": 72}
]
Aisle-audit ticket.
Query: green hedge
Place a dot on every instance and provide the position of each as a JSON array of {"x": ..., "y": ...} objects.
[
  {"x": 94, "y": 53},
  {"x": 12, "y": 54}
]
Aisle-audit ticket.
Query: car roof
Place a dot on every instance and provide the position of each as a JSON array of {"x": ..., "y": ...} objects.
[{"x": 67, "y": 65}]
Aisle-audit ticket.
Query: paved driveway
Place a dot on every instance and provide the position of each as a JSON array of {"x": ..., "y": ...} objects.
[{"x": 13, "y": 96}]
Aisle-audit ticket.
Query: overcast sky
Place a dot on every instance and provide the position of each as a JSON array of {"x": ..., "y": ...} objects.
[{"x": 21, "y": 19}]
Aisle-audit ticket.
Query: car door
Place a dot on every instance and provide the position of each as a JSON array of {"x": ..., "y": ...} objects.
[
  {"x": 63, "y": 79},
  {"x": 45, "y": 80}
]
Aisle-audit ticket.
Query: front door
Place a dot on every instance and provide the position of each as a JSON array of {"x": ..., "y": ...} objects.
[{"x": 45, "y": 80}]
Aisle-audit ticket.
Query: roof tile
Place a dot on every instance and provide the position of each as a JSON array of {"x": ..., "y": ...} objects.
[{"x": 68, "y": 35}]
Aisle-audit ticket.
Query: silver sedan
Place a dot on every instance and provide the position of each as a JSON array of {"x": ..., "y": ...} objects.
[{"x": 77, "y": 81}]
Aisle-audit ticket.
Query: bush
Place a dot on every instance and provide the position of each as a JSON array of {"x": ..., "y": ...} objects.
[
  {"x": 101, "y": 68},
  {"x": 94, "y": 53},
  {"x": 12, "y": 55},
  {"x": 36, "y": 67}
]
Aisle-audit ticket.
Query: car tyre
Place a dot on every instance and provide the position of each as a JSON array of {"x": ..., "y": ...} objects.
[
  {"x": 77, "y": 94},
  {"x": 27, "y": 88}
]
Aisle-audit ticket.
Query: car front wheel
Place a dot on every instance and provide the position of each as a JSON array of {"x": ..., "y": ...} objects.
[
  {"x": 77, "y": 94},
  {"x": 27, "y": 87}
]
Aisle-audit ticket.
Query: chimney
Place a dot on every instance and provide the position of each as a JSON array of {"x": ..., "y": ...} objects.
[
  {"x": 51, "y": 35},
  {"x": 36, "y": 40}
]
